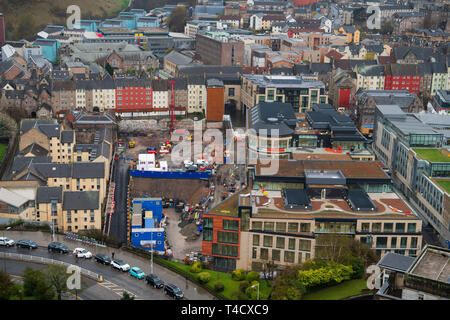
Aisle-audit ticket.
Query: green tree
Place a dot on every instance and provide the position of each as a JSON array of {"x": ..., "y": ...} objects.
[
  {"x": 6, "y": 286},
  {"x": 177, "y": 19},
  {"x": 126, "y": 296},
  {"x": 36, "y": 285},
  {"x": 57, "y": 277}
]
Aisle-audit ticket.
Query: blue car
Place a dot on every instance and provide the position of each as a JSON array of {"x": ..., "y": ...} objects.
[{"x": 137, "y": 273}]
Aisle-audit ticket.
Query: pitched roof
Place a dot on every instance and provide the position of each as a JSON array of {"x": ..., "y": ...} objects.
[
  {"x": 81, "y": 200},
  {"x": 396, "y": 262},
  {"x": 86, "y": 170},
  {"x": 48, "y": 194}
]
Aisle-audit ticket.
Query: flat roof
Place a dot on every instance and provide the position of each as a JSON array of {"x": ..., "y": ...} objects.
[
  {"x": 350, "y": 169},
  {"x": 433, "y": 263}
]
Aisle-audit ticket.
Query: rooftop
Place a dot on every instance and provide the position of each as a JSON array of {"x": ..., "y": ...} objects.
[
  {"x": 433, "y": 264},
  {"x": 433, "y": 155}
]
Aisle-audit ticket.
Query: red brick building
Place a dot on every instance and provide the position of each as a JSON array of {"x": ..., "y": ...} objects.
[
  {"x": 133, "y": 95},
  {"x": 402, "y": 77},
  {"x": 215, "y": 106}
]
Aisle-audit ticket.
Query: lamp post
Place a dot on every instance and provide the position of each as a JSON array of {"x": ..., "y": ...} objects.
[{"x": 256, "y": 285}]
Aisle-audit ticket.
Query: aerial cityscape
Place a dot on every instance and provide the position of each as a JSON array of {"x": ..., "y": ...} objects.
[{"x": 225, "y": 150}]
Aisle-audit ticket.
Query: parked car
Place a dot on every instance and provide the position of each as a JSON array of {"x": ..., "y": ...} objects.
[
  {"x": 137, "y": 273},
  {"x": 173, "y": 291},
  {"x": 82, "y": 253},
  {"x": 192, "y": 168},
  {"x": 154, "y": 281},
  {"x": 57, "y": 247},
  {"x": 28, "y": 244},
  {"x": 101, "y": 258},
  {"x": 4, "y": 241},
  {"x": 188, "y": 163},
  {"x": 120, "y": 265}
]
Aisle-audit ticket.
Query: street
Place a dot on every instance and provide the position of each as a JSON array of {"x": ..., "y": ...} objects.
[{"x": 120, "y": 280}]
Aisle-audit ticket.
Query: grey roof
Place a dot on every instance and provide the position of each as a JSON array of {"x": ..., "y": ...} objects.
[
  {"x": 48, "y": 194},
  {"x": 396, "y": 262},
  {"x": 273, "y": 116},
  {"x": 49, "y": 127},
  {"x": 67, "y": 136},
  {"x": 214, "y": 83},
  {"x": 277, "y": 81},
  {"x": 86, "y": 170},
  {"x": 53, "y": 170},
  {"x": 21, "y": 163},
  {"x": 36, "y": 150},
  {"x": 371, "y": 70},
  {"x": 81, "y": 200},
  {"x": 177, "y": 58}
]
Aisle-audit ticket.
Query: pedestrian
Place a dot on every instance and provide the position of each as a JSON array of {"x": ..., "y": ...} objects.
[{"x": 112, "y": 255}]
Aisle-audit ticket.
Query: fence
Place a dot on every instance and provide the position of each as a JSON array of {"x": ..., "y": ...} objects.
[
  {"x": 86, "y": 240},
  {"x": 170, "y": 175},
  {"x": 42, "y": 260}
]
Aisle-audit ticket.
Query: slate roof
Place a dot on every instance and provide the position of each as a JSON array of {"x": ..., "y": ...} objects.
[
  {"x": 273, "y": 116},
  {"x": 48, "y": 194},
  {"x": 396, "y": 262},
  {"x": 80, "y": 200},
  {"x": 48, "y": 127},
  {"x": 177, "y": 58},
  {"x": 36, "y": 149},
  {"x": 86, "y": 170},
  {"x": 67, "y": 136}
]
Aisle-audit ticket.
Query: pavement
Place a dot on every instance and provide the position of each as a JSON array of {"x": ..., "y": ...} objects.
[{"x": 115, "y": 281}]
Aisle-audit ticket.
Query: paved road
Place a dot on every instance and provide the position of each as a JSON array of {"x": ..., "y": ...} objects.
[
  {"x": 92, "y": 289},
  {"x": 118, "y": 280},
  {"x": 119, "y": 217}
]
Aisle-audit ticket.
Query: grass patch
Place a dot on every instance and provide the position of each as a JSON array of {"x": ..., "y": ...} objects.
[
  {"x": 432, "y": 155},
  {"x": 230, "y": 286},
  {"x": 341, "y": 291},
  {"x": 445, "y": 184},
  {"x": 3, "y": 148}
]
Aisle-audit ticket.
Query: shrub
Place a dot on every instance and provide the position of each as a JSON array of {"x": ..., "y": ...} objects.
[
  {"x": 238, "y": 275},
  {"x": 243, "y": 286},
  {"x": 204, "y": 277},
  {"x": 286, "y": 293},
  {"x": 252, "y": 290},
  {"x": 196, "y": 267},
  {"x": 328, "y": 274},
  {"x": 358, "y": 267},
  {"x": 237, "y": 295},
  {"x": 252, "y": 276},
  {"x": 218, "y": 286}
]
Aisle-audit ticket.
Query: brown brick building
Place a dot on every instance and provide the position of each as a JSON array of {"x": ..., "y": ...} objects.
[
  {"x": 217, "y": 50},
  {"x": 214, "y": 100}
]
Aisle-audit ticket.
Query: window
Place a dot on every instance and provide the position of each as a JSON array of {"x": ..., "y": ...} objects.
[
  {"x": 394, "y": 242},
  {"x": 228, "y": 237},
  {"x": 207, "y": 222},
  {"x": 381, "y": 242},
  {"x": 305, "y": 227},
  {"x": 264, "y": 254},
  {"x": 257, "y": 225},
  {"x": 291, "y": 244},
  {"x": 411, "y": 227},
  {"x": 267, "y": 241},
  {"x": 299, "y": 259},
  {"x": 276, "y": 255},
  {"x": 304, "y": 245},
  {"x": 254, "y": 252},
  {"x": 289, "y": 256},
  {"x": 376, "y": 227},
  {"x": 281, "y": 227},
  {"x": 280, "y": 243},
  {"x": 225, "y": 250},
  {"x": 399, "y": 227},
  {"x": 292, "y": 227},
  {"x": 256, "y": 239},
  {"x": 231, "y": 92},
  {"x": 207, "y": 234},
  {"x": 403, "y": 241},
  {"x": 388, "y": 227},
  {"x": 231, "y": 225},
  {"x": 268, "y": 226},
  {"x": 365, "y": 227},
  {"x": 413, "y": 242}
]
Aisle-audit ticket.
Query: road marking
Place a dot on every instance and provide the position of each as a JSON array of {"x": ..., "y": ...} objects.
[{"x": 117, "y": 289}]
